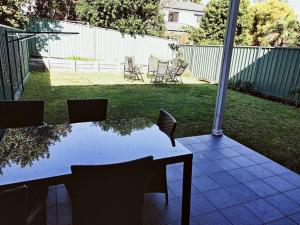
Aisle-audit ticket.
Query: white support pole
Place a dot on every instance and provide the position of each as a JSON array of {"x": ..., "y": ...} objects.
[{"x": 225, "y": 67}]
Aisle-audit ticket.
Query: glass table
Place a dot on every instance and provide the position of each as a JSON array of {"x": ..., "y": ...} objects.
[{"x": 34, "y": 155}]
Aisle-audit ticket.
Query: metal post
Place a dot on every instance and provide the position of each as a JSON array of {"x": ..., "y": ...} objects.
[
  {"x": 48, "y": 41},
  {"x": 15, "y": 59},
  {"x": 9, "y": 68},
  {"x": 225, "y": 67},
  {"x": 2, "y": 79},
  {"x": 21, "y": 62}
]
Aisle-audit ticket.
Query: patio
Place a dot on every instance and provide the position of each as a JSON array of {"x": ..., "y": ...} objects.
[{"x": 231, "y": 184}]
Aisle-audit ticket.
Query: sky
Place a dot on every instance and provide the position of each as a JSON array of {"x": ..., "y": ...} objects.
[{"x": 295, "y": 4}]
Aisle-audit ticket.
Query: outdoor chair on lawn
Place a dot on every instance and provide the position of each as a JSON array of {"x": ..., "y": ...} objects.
[
  {"x": 109, "y": 194},
  {"x": 132, "y": 69},
  {"x": 152, "y": 66},
  {"x": 174, "y": 64},
  {"x": 87, "y": 110},
  {"x": 17, "y": 209},
  {"x": 161, "y": 73},
  {"x": 174, "y": 76},
  {"x": 16, "y": 114},
  {"x": 158, "y": 176}
]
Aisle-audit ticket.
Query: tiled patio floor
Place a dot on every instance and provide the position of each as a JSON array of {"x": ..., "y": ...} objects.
[{"x": 232, "y": 184}]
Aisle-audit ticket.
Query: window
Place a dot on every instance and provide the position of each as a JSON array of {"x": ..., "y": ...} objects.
[
  {"x": 173, "y": 17},
  {"x": 198, "y": 17}
]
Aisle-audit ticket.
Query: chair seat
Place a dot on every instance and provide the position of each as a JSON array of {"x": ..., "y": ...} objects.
[{"x": 22, "y": 205}]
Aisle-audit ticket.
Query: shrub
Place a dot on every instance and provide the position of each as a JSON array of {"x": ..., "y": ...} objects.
[
  {"x": 239, "y": 85},
  {"x": 78, "y": 58},
  {"x": 295, "y": 95}
]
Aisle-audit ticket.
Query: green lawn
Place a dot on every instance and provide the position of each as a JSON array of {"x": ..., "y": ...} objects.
[{"x": 270, "y": 128}]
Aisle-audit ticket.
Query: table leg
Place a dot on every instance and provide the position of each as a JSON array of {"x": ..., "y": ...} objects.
[{"x": 186, "y": 191}]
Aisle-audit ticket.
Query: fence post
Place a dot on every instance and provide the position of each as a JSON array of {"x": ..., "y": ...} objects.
[
  {"x": 21, "y": 63},
  {"x": 94, "y": 42},
  {"x": 2, "y": 80},
  {"x": 48, "y": 52},
  {"x": 9, "y": 67},
  {"x": 98, "y": 65}
]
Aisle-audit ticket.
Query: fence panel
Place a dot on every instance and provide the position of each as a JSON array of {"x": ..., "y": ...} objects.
[
  {"x": 14, "y": 63},
  {"x": 273, "y": 71},
  {"x": 92, "y": 42}
]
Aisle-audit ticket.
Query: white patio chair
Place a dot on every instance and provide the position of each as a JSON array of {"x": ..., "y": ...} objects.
[
  {"x": 161, "y": 73},
  {"x": 174, "y": 76},
  {"x": 131, "y": 69},
  {"x": 174, "y": 64},
  {"x": 152, "y": 65}
]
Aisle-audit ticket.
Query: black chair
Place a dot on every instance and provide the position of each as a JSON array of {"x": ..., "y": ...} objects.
[
  {"x": 17, "y": 209},
  {"x": 109, "y": 194},
  {"x": 21, "y": 113},
  {"x": 158, "y": 176},
  {"x": 166, "y": 123},
  {"x": 87, "y": 110}
]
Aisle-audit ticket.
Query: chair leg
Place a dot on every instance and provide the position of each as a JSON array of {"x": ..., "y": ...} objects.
[
  {"x": 166, "y": 186},
  {"x": 167, "y": 197},
  {"x": 124, "y": 71},
  {"x": 142, "y": 77}
]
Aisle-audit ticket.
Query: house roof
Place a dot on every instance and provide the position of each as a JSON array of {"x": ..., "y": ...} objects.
[{"x": 190, "y": 6}]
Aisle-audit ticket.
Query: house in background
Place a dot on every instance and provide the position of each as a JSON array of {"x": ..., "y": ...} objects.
[{"x": 179, "y": 14}]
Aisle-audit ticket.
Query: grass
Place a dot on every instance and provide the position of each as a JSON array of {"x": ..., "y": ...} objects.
[{"x": 270, "y": 128}]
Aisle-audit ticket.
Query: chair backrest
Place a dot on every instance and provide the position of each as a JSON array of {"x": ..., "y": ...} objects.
[
  {"x": 181, "y": 69},
  {"x": 109, "y": 194},
  {"x": 13, "y": 206},
  {"x": 21, "y": 113},
  {"x": 129, "y": 63},
  {"x": 153, "y": 63},
  {"x": 87, "y": 110},
  {"x": 174, "y": 63},
  {"x": 166, "y": 123},
  {"x": 162, "y": 68}
]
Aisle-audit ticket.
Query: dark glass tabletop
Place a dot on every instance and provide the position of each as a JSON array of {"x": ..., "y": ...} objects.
[{"x": 34, "y": 153}]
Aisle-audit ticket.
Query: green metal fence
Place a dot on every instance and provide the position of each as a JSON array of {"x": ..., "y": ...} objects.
[
  {"x": 14, "y": 63},
  {"x": 273, "y": 71}
]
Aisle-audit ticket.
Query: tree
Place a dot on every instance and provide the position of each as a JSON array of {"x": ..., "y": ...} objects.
[
  {"x": 127, "y": 16},
  {"x": 274, "y": 24},
  {"x": 11, "y": 13},
  {"x": 213, "y": 24},
  {"x": 53, "y": 9},
  {"x": 25, "y": 145},
  {"x": 282, "y": 32}
]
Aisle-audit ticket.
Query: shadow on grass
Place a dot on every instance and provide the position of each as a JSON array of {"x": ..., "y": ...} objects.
[
  {"x": 128, "y": 100},
  {"x": 267, "y": 127}
]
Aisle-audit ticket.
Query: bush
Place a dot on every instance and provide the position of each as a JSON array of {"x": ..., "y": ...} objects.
[
  {"x": 239, "y": 85},
  {"x": 295, "y": 95},
  {"x": 78, "y": 58}
]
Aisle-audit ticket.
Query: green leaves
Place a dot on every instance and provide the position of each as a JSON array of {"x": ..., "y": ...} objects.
[
  {"x": 213, "y": 24},
  {"x": 140, "y": 17},
  {"x": 11, "y": 13},
  {"x": 275, "y": 24}
]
